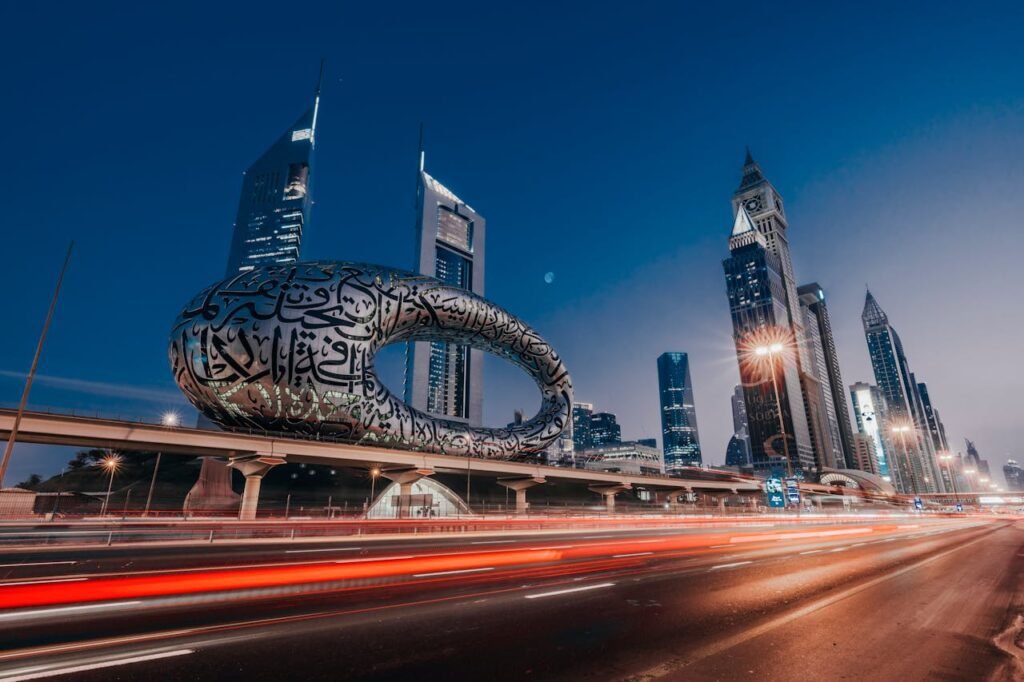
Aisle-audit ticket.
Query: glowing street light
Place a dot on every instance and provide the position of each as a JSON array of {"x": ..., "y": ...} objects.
[
  {"x": 111, "y": 463},
  {"x": 374, "y": 473},
  {"x": 170, "y": 418}
]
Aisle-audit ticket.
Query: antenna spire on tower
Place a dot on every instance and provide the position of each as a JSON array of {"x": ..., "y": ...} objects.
[{"x": 421, "y": 152}]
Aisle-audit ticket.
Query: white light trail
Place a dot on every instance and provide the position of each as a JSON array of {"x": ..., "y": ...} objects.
[
  {"x": 65, "y": 609},
  {"x": 540, "y": 595},
  {"x": 36, "y": 673},
  {"x": 463, "y": 570},
  {"x": 737, "y": 563}
]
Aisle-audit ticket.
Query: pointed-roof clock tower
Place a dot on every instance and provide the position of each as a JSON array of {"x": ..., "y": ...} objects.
[{"x": 764, "y": 206}]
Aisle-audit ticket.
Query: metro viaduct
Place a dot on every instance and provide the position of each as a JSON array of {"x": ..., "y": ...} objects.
[{"x": 256, "y": 454}]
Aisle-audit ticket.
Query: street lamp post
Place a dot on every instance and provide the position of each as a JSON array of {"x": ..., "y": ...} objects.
[
  {"x": 169, "y": 419},
  {"x": 374, "y": 473},
  {"x": 110, "y": 464},
  {"x": 771, "y": 351}
]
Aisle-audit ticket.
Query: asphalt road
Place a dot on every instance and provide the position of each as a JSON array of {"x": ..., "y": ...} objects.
[{"x": 938, "y": 602}]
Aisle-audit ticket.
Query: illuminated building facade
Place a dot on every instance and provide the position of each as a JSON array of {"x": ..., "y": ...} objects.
[
  {"x": 679, "y": 436},
  {"x": 445, "y": 379},
  {"x": 276, "y": 199},
  {"x": 756, "y": 287}
]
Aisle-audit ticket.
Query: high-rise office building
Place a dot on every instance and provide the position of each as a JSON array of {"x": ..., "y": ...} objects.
[
  {"x": 864, "y": 457},
  {"x": 679, "y": 437},
  {"x": 936, "y": 430},
  {"x": 274, "y": 208},
  {"x": 737, "y": 452},
  {"x": 581, "y": 414},
  {"x": 604, "y": 430},
  {"x": 446, "y": 379},
  {"x": 826, "y": 369},
  {"x": 756, "y": 286},
  {"x": 869, "y": 413},
  {"x": 739, "y": 411},
  {"x": 648, "y": 442},
  {"x": 1014, "y": 475},
  {"x": 915, "y": 457}
]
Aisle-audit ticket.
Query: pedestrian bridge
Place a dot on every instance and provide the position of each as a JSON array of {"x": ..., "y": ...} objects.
[{"x": 254, "y": 454}]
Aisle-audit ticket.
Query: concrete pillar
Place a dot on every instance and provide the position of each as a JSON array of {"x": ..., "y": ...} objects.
[
  {"x": 609, "y": 491},
  {"x": 520, "y": 486},
  {"x": 405, "y": 477},
  {"x": 254, "y": 467},
  {"x": 250, "y": 497}
]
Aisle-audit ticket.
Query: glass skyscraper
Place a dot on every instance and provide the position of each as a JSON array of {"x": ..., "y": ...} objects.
[
  {"x": 836, "y": 436},
  {"x": 273, "y": 211},
  {"x": 679, "y": 437},
  {"x": 445, "y": 379},
  {"x": 756, "y": 287},
  {"x": 604, "y": 430},
  {"x": 581, "y": 414},
  {"x": 915, "y": 467}
]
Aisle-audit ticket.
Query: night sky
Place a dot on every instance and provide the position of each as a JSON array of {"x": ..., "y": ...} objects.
[{"x": 601, "y": 143}]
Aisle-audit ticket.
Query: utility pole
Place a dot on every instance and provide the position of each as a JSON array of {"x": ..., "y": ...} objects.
[{"x": 9, "y": 449}]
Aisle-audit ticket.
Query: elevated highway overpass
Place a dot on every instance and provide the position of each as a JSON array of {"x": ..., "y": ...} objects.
[{"x": 254, "y": 454}]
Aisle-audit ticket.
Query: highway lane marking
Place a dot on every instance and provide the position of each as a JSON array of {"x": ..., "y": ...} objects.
[
  {"x": 622, "y": 556},
  {"x": 840, "y": 549},
  {"x": 327, "y": 549},
  {"x": 464, "y": 570},
  {"x": 39, "y": 672},
  {"x": 40, "y": 582},
  {"x": 65, "y": 609},
  {"x": 372, "y": 558},
  {"x": 812, "y": 551},
  {"x": 554, "y": 593},
  {"x": 735, "y": 563},
  {"x": 676, "y": 664},
  {"x": 38, "y": 563}
]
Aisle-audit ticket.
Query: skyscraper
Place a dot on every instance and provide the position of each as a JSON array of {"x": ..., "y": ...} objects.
[
  {"x": 581, "y": 414},
  {"x": 604, "y": 430},
  {"x": 738, "y": 451},
  {"x": 276, "y": 199},
  {"x": 869, "y": 412},
  {"x": 679, "y": 437},
  {"x": 826, "y": 368},
  {"x": 864, "y": 457},
  {"x": 739, "y": 411},
  {"x": 445, "y": 379},
  {"x": 916, "y": 466},
  {"x": 1014, "y": 476},
  {"x": 756, "y": 286}
]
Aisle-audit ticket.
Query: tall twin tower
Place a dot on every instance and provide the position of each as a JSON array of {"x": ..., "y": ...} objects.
[
  {"x": 442, "y": 379},
  {"x": 789, "y": 370}
]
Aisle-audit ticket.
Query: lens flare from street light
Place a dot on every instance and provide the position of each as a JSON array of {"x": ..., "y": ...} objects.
[
  {"x": 111, "y": 462},
  {"x": 759, "y": 348},
  {"x": 170, "y": 419}
]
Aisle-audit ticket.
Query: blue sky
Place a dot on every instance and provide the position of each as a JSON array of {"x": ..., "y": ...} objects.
[{"x": 601, "y": 141}]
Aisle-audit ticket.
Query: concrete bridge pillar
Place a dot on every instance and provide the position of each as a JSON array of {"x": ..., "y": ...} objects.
[
  {"x": 609, "y": 491},
  {"x": 405, "y": 477},
  {"x": 520, "y": 486},
  {"x": 254, "y": 467}
]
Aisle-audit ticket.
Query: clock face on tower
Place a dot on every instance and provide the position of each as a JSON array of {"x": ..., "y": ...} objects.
[{"x": 752, "y": 204}]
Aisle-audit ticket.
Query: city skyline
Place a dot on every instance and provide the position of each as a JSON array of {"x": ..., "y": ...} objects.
[{"x": 840, "y": 185}]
